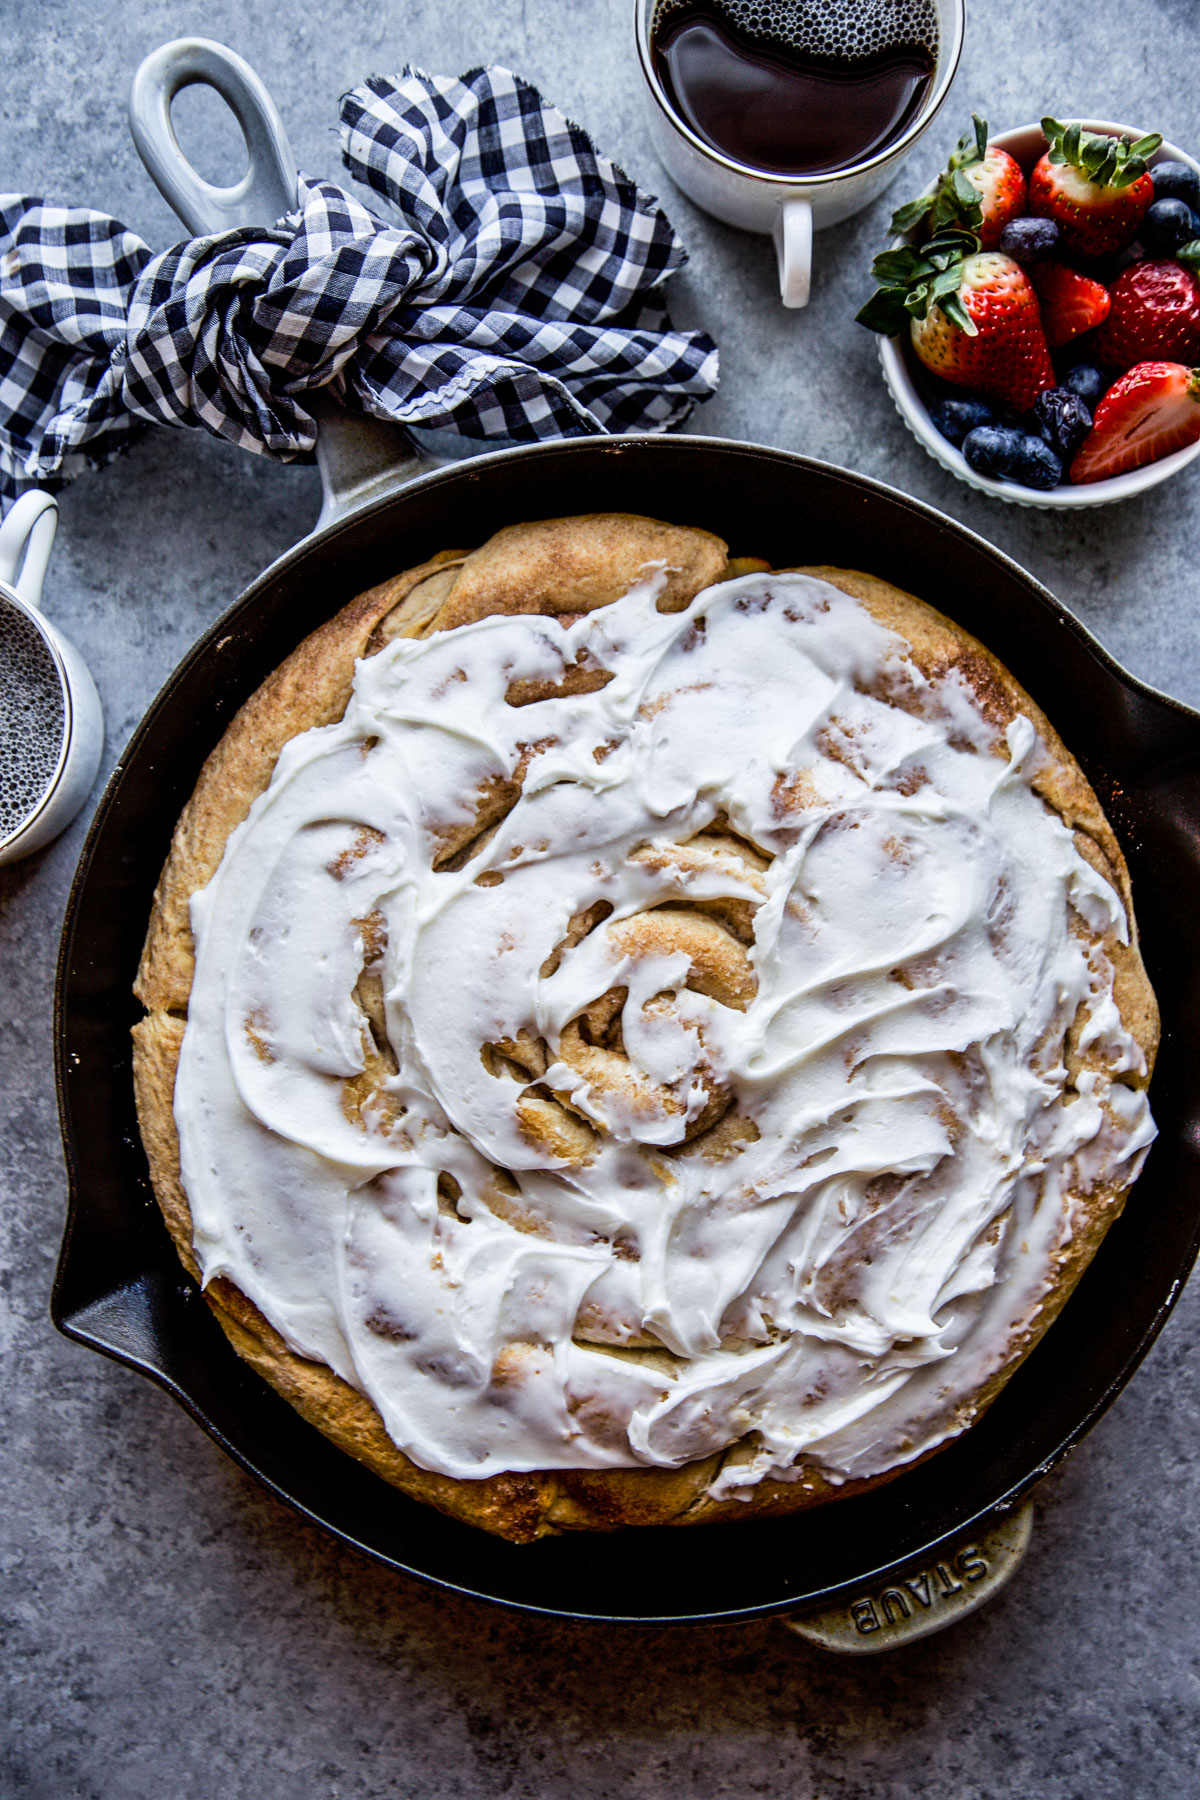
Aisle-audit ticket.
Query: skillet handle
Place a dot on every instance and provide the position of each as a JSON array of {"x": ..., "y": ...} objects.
[
  {"x": 265, "y": 192},
  {"x": 962, "y": 1578},
  {"x": 360, "y": 458}
]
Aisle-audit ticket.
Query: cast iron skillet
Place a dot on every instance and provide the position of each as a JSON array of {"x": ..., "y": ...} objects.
[{"x": 120, "y": 1288}]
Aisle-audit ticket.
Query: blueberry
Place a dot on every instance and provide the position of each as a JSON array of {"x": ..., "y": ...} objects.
[
  {"x": 1035, "y": 465},
  {"x": 1168, "y": 224},
  {"x": 1029, "y": 240},
  {"x": 1088, "y": 382},
  {"x": 992, "y": 449},
  {"x": 1063, "y": 419},
  {"x": 955, "y": 417},
  {"x": 1176, "y": 181}
]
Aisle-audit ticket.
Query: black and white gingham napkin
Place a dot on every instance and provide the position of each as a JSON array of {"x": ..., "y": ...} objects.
[{"x": 518, "y": 296}]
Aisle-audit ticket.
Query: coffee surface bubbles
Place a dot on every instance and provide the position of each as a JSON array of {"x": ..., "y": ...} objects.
[
  {"x": 835, "y": 28},
  {"x": 32, "y": 718}
]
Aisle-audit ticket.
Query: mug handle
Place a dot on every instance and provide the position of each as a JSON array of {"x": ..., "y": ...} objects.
[
  {"x": 793, "y": 244},
  {"x": 26, "y": 538}
]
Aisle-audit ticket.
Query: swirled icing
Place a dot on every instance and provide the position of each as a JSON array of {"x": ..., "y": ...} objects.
[{"x": 835, "y": 1286}]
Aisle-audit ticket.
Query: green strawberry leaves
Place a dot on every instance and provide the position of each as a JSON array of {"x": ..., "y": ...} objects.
[
  {"x": 1189, "y": 255},
  {"x": 914, "y": 278},
  {"x": 955, "y": 199},
  {"x": 906, "y": 217},
  {"x": 1106, "y": 161}
]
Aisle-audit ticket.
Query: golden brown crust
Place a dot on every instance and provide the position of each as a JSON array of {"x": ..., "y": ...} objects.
[
  {"x": 157, "y": 1040},
  {"x": 575, "y": 565},
  {"x": 560, "y": 567}
]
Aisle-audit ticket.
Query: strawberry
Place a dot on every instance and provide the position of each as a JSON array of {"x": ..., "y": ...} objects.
[
  {"x": 1153, "y": 409},
  {"x": 980, "y": 190},
  {"x": 1095, "y": 188},
  {"x": 973, "y": 316},
  {"x": 1001, "y": 184},
  {"x": 1155, "y": 313},
  {"x": 1071, "y": 303}
]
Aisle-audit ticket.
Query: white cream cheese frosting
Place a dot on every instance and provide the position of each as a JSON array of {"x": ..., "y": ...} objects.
[{"x": 907, "y": 1150}]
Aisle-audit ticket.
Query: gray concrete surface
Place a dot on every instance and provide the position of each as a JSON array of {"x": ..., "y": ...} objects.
[{"x": 169, "y": 1630}]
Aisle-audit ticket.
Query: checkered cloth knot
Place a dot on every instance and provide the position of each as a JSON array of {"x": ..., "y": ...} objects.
[{"x": 517, "y": 296}]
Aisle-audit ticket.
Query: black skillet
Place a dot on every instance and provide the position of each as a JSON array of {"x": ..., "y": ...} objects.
[{"x": 120, "y": 1288}]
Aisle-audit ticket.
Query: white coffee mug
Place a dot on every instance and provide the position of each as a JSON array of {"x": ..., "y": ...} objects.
[
  {"x": 71, "y": 755},
  {"x": 786, "y": 208}
]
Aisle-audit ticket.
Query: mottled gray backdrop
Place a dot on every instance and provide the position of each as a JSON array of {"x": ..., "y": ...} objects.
[{"x": 171, "y": 1631}]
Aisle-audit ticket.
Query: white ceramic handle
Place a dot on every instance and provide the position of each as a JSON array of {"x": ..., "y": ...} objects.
[
  {"x": 359, "y": 457},
  {"x": 793, "y": 243},
  {"x": 26, "y": 539},
  {"x": 268, "y": 188}
]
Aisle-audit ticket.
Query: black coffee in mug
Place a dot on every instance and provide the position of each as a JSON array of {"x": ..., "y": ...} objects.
[{"x": 796, "y": 87}]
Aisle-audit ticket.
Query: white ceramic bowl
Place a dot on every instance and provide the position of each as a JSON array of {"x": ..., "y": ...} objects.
[{"x": 1026, "y": 144}]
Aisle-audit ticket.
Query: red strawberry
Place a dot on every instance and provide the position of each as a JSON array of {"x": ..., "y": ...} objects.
[
  {"x": 1155, "y": 313},
  {"x": 1004, "y": 357},
  {"x": 973, "y": 316},
  {"x": 1153, "y": 409},
  {"x": 980, "y": 190},
  {"x": 1071, "y": 303},
  {"x": 1095, "y": 188}
]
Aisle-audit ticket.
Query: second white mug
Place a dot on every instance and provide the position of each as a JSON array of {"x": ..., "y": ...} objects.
[
  {"x": 54, "y": 759},
  {"x": 784, "y": 207}
]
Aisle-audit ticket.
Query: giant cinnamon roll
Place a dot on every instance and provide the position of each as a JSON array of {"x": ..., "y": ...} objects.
[{"x": 633, "y": 1037}]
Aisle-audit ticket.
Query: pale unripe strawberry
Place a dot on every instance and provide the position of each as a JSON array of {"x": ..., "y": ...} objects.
[{"x": 1000, "y": 184}]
